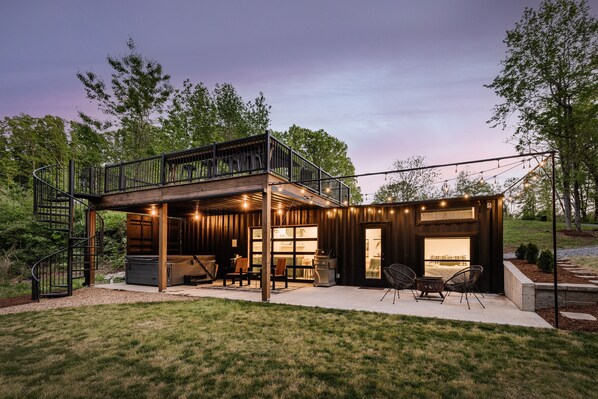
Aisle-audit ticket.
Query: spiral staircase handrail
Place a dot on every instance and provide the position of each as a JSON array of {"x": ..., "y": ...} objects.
[{"x": 82, "y": 242}]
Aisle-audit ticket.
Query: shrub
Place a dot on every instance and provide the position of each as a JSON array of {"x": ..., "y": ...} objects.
[
  {"x": 531, "y": 253},
  {"x": 546, "y": 261},
  {"x": 520, "y": 252}
]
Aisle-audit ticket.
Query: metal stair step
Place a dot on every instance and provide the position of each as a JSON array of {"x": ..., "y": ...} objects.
[
  {"x": 52, "y": 206},
  {"x": 54, "y": 294}
]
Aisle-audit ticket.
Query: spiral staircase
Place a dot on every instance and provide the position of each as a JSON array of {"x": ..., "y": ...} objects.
[{"x": 62, "y": 202}]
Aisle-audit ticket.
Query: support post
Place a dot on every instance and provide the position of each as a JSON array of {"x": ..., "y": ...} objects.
[
  {"x": 268, "y": 152},
  {"x": 556, "y": 292},
  {"x": 163, "y": 248},
  {"x": 71, "y": 233},
  {"x": 319, "y": 180},
  {"x": 90, "y": 272},
  {"x": 266, "y": 241}
]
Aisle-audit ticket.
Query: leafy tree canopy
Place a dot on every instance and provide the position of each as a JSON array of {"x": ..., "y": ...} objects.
[
  {"x": 549, "y": 83},
  {"x": 29, "y": 143},
  {"x": 413, "y": 185},
  {"x": 324, "y": 150},
  {"x": 197, "y": 117},
  {"x": 139, "y": 90}
]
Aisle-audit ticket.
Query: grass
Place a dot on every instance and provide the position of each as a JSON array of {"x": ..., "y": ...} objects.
[
  {"x": 217, "y": 348},
  {"x": 12, "y": 289},
  {"x": 588, "y": 262},
  {"x": 540, "y": 233}
]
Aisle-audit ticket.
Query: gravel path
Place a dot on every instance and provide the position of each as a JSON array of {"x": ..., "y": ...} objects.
[
  {"x": 566, "y": 253},
  {"x": 93, "y": 296}
]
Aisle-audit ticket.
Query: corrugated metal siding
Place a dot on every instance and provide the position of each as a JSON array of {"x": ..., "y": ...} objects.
[{"x": 342, "y": 231}]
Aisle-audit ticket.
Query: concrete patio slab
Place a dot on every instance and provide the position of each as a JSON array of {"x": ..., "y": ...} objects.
[
  {"x": 499, "y": 309},
  {"x": 578, "y": 316}
]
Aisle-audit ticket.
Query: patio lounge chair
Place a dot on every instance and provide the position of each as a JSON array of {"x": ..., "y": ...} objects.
[
  {"x": 464, "y": 281},
  {"x": 280, "y": 272},
  {"x": 399, "y": 277},
  {"x": 239, "y": 272}
]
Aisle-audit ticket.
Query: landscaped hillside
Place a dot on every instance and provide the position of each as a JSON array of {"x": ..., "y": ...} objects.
[{"x": 518, "y": 232}]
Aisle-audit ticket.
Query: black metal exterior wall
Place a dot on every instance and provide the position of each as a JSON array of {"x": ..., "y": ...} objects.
[{"x": 341, "y": 229}]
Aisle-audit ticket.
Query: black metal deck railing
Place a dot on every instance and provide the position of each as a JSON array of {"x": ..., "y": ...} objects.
[{"x": 255, "y": 154}]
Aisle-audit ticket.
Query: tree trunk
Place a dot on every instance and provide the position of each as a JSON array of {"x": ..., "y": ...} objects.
[
  {"x": 596, "y": 198},
  {"x": 566, "y": 194},
  {"x": 577, "y": 204}
]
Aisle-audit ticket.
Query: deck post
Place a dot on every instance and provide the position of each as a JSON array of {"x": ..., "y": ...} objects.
[
  {"x": 163, "y": 248},
  {"x": 268, "y": 152},
  {"x": 291, "y": 164},
  {"x": 319, "y": 180},
  {"x": 90, "y": 273},
  {"x": 266, "y": 242}
]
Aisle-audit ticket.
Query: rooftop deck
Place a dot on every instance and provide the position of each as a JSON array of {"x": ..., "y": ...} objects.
[{"x": 243, "y": 157}]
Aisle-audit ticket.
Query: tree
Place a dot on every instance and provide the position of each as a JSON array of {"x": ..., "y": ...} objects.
[
  {"x": 139, "y": 90},
  {"x": 191, "y": 118},
  {"x": 324, "y": 150},
  {"x": 87, "y": 146},
  {"x": 197, "y": 117},
  {"x": 30, "y": 143},
  {"x": 412, "y": 185},
  {"x": 471, "y": 186},
  {"x": 234, "y": 118},
  {"x": 550, "y": 70}
]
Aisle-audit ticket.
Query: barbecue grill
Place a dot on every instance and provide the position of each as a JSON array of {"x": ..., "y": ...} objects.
[{"x": 325, "y": 268}]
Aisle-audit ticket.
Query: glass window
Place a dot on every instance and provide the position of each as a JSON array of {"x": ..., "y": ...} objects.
[
  {"x": 307, "y": 232},
  {"x": 438, "y": 215},
  {"x": 306, "y": 246},
  {"x": 444, "y": 256},
  {"x": 297, "y": 244},
  {"x": 282, "y": 246},
  {"x": 283, "y": 232}
]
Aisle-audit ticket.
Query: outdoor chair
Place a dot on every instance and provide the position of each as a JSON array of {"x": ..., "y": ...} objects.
[
  {"x": 464, "y": 282},
  {"x": 240, "y": 272},
  {"x": 399, "y": 277},
  {"x": 280, "y": 272}
]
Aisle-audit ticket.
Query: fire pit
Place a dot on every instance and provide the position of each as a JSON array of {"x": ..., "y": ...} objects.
[{"x": 430, "y": 284}]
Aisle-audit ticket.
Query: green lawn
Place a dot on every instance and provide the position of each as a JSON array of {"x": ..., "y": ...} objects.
[
  {"x": 217, "y": 348},
  {"x": 518, "y": 232},
  {"x": 12, "y": 290}
]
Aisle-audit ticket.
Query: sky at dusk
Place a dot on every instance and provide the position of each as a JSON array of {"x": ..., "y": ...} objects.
[{"x": 392, "y": 79}]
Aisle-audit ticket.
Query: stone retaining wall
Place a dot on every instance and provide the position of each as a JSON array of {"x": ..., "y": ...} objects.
[
  {"x": 568, "y": 294},
  {"x": 530, "y": 296},
  {"x": 518, "y": 288}
]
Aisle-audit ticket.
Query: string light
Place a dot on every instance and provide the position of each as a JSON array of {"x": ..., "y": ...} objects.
[{"x": 196, "y": 214}]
